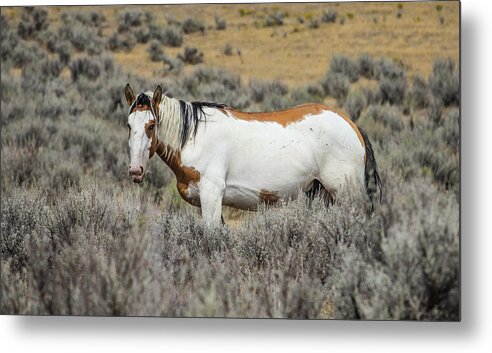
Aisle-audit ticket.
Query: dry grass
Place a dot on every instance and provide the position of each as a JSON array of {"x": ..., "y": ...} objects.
[{"x": 416, "y": 39}]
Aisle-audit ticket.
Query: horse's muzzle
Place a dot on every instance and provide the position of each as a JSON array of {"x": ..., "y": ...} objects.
[{"x": 137, "y": 173}]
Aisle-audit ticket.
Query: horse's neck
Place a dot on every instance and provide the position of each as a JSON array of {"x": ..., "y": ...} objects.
[{"x": 172, "y": 159}]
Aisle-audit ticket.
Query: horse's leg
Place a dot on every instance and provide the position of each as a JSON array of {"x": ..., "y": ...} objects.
[
  {"x": 318, "y": 190},
  {"x": 211, "y": 194}
]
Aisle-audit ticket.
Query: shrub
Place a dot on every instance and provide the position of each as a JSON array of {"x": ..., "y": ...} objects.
[
  {"x": 155, "y": 51},
  {"x": 51, "y": 39},
  {"x": 371, "y": 96},
  {"x": 129, "y": 19},
  {"x": 329, "y": 16},
  {"x": 80, "y": 35},
  {"x": 275, "y": 19},
  {"x": 313, "y": 24},
  {"x": 419, "y": 94},
  {"x": 388, "y": 68},
  {"x": 192, "y": 25},
  {"x": 366, "y": 66},
  {"x": 191, "y": 56},
  {"x": 261, "y": 90},
  {"x": 336, "y": 85},
  {"x": 227, "y": 49},
  {"x": 387, "y": 115},
  {"x": 434, "y": 111},
  {"x": 355, "y": 104},
  {"x": 170, "y": 36},
  {"x": 450, "y": 133},
  {"x": 20, "y": 218},
  {"x": 172, "y": 64},
  {"x": 333, "y": 268},
  {"x": 444, "y": 82},
  {"x": 142, "y": 34},
  {"x": 91, "y": 19},
  {"x": 342, "y": 64},
  {"x": 392, "y": 81},
  {"x": 211, "y": 84},
  {"x": 64, "y": 52},
  {"x": 392, "y": 90},
  {"x": 303, "y": 95},
  {"x": 95, "y": 47},
  {"x": 117, "y": 42},
  {"x": 33, "y": 20},
  {"x": 220, "y": 24},
  {"x": 23, "y": 55},
  {"x": 84, "y": 67}
]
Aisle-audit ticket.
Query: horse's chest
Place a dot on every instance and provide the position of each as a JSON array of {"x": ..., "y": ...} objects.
[{"x": 187, "y": 181}]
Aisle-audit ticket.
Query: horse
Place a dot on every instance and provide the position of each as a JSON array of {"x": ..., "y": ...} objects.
[{"x": 225, "y": 157}]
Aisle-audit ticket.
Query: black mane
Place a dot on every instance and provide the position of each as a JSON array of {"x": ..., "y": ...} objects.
[{"x": 191, "y": 114}]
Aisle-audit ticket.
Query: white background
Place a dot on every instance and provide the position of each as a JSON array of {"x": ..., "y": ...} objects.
[{"x": 473, "y": 334}]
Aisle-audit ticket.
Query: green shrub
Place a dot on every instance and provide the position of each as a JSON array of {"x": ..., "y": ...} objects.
[
  {"x": 220, "y": 24},
  {"x": 367, "y": 67},
  {"x": 444, "y": 82},
  {"x": 336, "y": 85},
  {"x": 33, "y": 20},
  {"x": 192, "y": 25},
  {"x": 342, "y": 64},
  {"x": 191, "y": 56},
  {"x": 169, "y": 36},
  {"x": 274, "y": 19},
  {"x": 156, "y": 53},
  {"x": 313, "y": 24},
  {"x": 117, "y": 42},
  {"x": 389, "y": 116},
  {"x": 329, "y": 16},
  {"x": 355, "y": 104},
  {"x": 129, "y": 19},
  {"x": 228, "y": 49},
  {"x": 142, "y": 34},
  {"x": 84, "y": 67}
]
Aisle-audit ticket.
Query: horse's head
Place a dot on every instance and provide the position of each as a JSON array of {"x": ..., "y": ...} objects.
[{"x": 143, "y": 120}]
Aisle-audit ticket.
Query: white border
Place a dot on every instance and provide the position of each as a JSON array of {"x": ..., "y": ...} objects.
[{"x": 473, "y": 334}]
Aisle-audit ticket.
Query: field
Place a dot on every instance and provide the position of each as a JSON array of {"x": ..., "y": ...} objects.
[{"x": 78, "y": 238}]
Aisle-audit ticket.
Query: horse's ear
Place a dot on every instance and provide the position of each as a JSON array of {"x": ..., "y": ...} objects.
[
  {"x": 129, "y": 95},
  {"x": 156, "y": 99}
]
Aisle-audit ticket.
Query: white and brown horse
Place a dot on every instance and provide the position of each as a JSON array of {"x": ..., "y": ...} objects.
[{"x": 222, "y": 156}]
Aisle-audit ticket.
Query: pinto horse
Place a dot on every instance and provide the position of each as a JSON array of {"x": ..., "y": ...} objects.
[{"x": 222, "y": 156}]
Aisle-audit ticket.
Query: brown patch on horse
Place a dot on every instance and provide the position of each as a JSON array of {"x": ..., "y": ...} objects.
[
  {"x": 150, "y": 132},
  {"x": 140, "y": 108},
  {"x": 185, "y": 175},
  {"x": 289, "y": 116},
  {"x": 269, "y": 197},
  {"x": 282, "y": 117}
]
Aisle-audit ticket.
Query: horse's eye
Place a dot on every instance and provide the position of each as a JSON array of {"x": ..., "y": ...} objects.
[{"x": 151, "y": 127}]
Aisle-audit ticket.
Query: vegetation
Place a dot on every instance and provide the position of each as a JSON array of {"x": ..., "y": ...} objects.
[{"x": 77, "y": 237}]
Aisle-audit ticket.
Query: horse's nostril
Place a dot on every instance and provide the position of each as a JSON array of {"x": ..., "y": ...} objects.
[{"x": 136, "y": 170}]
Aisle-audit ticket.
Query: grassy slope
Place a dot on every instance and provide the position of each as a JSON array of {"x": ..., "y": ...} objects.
[{"x": 416, "y": 39}]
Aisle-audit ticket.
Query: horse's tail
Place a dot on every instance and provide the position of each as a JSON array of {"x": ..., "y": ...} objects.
[{"x": 372, "y": 181}]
